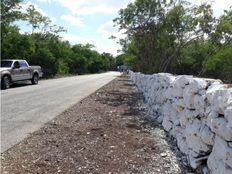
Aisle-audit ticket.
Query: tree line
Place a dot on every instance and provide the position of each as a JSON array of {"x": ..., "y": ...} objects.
[
  {"x": 176, "y": 37},
  {"x": 43, "y": 45}
]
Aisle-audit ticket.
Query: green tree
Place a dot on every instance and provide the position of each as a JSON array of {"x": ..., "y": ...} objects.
[
  {"x": 160, "y": 35},
  {"x": 44, "y": 46},
  {"x": 46, "y": 60},
  {"x": 220, "y": 65},
  {"x": 108, "y": 62},
  {"x": 41, "y": 23},
  {"x": 15, "y": 45},
  {"x": 10, "y": 12}
]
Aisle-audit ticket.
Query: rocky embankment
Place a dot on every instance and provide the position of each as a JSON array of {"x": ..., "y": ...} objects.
[{"x": 195, "y": 111}]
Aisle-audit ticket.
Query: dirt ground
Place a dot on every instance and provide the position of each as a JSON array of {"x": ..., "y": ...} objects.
[{"x": 106, "y": 132}]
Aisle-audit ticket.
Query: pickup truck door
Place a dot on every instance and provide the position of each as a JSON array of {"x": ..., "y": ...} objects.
[
  {"x": 15, "y": 72},
  {"x": 25, "y": 70}
]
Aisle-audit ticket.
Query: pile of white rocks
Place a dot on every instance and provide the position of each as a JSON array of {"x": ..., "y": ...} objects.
[{"x": 197, "y": 112}]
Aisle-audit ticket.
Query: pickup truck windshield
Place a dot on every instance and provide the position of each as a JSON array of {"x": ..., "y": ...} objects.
[{"x": 6, "y": 63}]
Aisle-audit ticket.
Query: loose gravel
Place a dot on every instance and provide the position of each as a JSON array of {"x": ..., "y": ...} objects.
[{"x": 107, "y": 132}]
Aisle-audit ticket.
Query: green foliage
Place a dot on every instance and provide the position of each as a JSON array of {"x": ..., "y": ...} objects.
[
  {"x": 120, "y": 60},
  {"x": 125, "y": 59},
  {"x": 44, "y": 47},
  {"x": 78, "y": 64},
  {"x": 63, "y": 67},
  {"x": 193, "y": 57},
  {"x": 10, "y": 11},
  {"x": 14, "y": 45},
  {"x": 220, "y": 65},
  {"x": 175, "y": 37},
  {"x": 44, "y": 57}
]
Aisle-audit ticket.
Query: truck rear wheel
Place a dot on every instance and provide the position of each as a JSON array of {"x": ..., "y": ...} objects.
[
  {"x": 5, "y": 83},
  {"x": 35, "y": 79}
]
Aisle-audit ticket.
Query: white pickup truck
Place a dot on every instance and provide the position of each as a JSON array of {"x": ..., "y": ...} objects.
[{"x": 18, "y": 70}]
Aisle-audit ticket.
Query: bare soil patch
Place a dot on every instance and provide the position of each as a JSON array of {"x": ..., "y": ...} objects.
[{"x": 106, "y": 132}]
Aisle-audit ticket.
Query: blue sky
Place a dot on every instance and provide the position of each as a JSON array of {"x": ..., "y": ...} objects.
[{"x": 90, "y": 21}]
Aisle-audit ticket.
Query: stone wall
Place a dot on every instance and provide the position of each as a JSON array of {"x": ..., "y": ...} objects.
[{"x": 197, "y": 112}]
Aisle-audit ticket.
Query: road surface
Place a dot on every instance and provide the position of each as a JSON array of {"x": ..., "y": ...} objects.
[{"x": 26, "y": 108}]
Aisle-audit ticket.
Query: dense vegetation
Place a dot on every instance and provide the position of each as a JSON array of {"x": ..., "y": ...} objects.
[
  {"x": 162, "y": 36},
  {"x": 43, "y": 45},
  {"x": 177, "y": 37}
]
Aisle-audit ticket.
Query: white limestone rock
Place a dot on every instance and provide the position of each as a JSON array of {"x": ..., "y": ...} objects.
[
  {"x": 182, "y": 80},
  {"x": 196, "y": 159},
  {"x": 212, "y": 89},
  {"x": 193, "y": 139},
  {"x": 221, "y": 99},
  {"x": 187, "y": 116},
  {"x": 194, "y": 163},
  {"x": 222, "y": 151},
  {"x": 176, "y": 130},
  {"x": 221, "y": 127},
  {"x": 228, "y": 114},
  {"x": 229, "y": 101},
  {"x": 171, "y": 113},
  {"x": 191, "y": 114},
  {"x": 174, "y": 92},
  {"x": 170, "y": 79},
  {"x": 194, "y": 111},
  {"x": 160, "y": 119},
  {"x": 213, "y": 81},
  {"x": 199, "y": 103},
  {"x": 188, "y": 99},
  {"x": 211, "y": 114},
  {"x": 217, "y": 166},
  {"x": 206, "y": 135},
  {"x": 184, "y": 121},
  {"x": 167, "y": 124},
  {"x": 181, "y": 143},
  {"x": 178, "y": 104},
  {"x": 196, "y": 85}
]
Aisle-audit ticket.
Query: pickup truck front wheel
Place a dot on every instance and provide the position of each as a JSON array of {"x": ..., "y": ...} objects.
[
  {"x": 35, "y": 79},
  {"x": 5, "y": 83}
]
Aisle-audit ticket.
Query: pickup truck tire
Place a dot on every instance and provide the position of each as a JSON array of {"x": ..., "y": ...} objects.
[
  {"x": 5, "y": 82},
  {"x": 35, "y": 79}
]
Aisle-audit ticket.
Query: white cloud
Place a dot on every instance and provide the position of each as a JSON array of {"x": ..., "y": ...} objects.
[
  {"x": 108, "y": 46},
  {"x": 75, "y": 21},
  {"x": 27, "y": 4},
  {"x": 87, "y": 7},
  {"x": 107, "y": 30},
  {"x": 111, "y": 48},
  {"x": 43, "y": 1},
  {"x": 218, "y": 6},
  {"x": 53, "y": 19},
  {"x": 72, "y": 38}
]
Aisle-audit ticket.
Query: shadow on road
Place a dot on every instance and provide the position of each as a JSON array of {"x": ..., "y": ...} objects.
[{"x": 19, "y": 85}]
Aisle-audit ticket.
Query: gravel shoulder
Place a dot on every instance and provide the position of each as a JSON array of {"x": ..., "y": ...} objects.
[{"x": 107, "y": 132}]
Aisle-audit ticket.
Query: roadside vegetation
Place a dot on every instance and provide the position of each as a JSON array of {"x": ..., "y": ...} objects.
[
  {"x": 171, "y": 36},
  {"x": 176, "y": 37},
  {"x": 44, "y": 46}
]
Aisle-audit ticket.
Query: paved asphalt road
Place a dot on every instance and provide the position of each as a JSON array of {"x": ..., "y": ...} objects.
[{"x": 26, "y": 108}]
